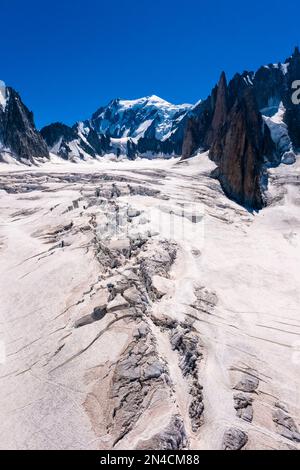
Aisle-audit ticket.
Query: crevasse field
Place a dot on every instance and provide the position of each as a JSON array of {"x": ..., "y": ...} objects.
[{"x": 140, "y": 306}]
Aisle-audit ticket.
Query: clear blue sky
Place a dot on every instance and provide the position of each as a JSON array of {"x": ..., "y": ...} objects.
[{"x": 67, "y": 58}]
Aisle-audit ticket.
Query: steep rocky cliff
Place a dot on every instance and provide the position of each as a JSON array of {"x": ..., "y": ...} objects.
[
  {"x": 292, "y": 115},
  {"x": 74, "y": 142},
  {"x": 19, "y": 137},
  {"x": 240, "y": 147},
  {"x": 248, "y": 125},
  {"x": 197, "y": 127}
]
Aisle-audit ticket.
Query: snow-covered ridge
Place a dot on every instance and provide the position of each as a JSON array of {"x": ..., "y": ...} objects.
[
  {"x": 128, "y": 128},
  {"x": 150, "y": 100},
  {"x": 132, "y": 118}
]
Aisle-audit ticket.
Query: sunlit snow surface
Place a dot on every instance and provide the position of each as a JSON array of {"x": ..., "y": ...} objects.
[{"x": 250, "y": 261}]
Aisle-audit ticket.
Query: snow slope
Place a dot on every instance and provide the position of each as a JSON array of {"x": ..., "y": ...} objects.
[{"x": 234, "y": 285}]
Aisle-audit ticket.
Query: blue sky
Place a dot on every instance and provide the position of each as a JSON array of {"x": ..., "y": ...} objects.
[{"x": 67, "y": 58}]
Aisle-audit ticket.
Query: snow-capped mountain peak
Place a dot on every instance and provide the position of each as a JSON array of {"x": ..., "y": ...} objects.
[
  {"x": 151, "y": 126},
  {"x": 19, "y": 138},
  {"x": 133, "y": 118},
  {"x": 144, "y": 126},
  {"x": 150, "y": 100}
]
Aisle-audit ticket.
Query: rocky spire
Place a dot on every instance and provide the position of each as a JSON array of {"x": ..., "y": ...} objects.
[
  {"x": 239, "y": 149},
  {"x": 18, "y": 133},
  {"x": 235, "y": 133},
  {"x": 220, "y": 110}
]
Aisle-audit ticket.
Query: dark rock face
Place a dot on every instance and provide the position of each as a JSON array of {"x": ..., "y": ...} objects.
[
  {"x": 100, "y": 143},
  {"x": 292, "y": 115},
  {"x": 156, "y": 146},
  {"x": 230, "y": 124},
  {"x": 220, "y": 110},
  {"x": 18, "y": 133},
  {"x": 198, "y": 126},
  {"x": 61, "y": 136},
  {"x": 243, "y": 406},
  {"x": 268, "y": 85},
  {"x": 131, "y": 150},
  {"x": 239, "y": 146},
  {"x": 54, "y": 132}
]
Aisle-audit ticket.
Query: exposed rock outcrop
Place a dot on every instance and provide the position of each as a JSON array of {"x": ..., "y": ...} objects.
[
  {"x": 74, "y": 142},
  {"x": 243, "y": 406},
  {"x": 198, "y": 126},
  {"x": 19, "y": 137},
  {"x": 173, "y": 437},
  {"x": 138, "y": 375},
  {"x": 249, "y": 381},
  {"x": 234, "y": 439},
  {"x": 239, "y": 147},
  {"x": 220, "y": 111},
  {"x": 285, "y": 424},
  {"x": 292, "y": 115},
  {"x": 229, "y": 123},
  {"x": 237, "y": 137}
]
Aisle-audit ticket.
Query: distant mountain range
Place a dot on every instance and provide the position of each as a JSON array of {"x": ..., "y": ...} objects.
[
  {"x": 248, "y": 124},
  {"x": 146, "y": 126}
]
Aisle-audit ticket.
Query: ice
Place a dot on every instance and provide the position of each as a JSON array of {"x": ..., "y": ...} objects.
[
  {"x": 279, "y": 132},
  {"x": 142, "y": 128},
  {"x": 235, "y": 278}
]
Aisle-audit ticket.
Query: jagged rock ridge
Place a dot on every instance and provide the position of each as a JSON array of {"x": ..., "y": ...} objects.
[
  {"x": 241, "y": 142},
  {"x": 75, "y": 142},
  {"x": 248, "y": 125},
  {"x": 19, "y": 137}
]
